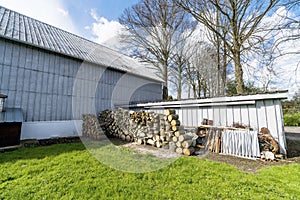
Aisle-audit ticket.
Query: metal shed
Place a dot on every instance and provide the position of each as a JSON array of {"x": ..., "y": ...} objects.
[
  {"x": 55, "y": 76},
  {"x": 255, "y": 110}
]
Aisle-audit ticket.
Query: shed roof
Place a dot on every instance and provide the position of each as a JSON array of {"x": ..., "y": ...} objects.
[
  {"x": 11, "y": 115},
  {"x": 245, "y": 99},
  {"x": 18, "y": 27}
]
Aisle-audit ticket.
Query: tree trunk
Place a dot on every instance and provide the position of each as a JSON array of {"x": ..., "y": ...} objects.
[
  {"x": 165, "y": 84},
  {"x": 236, "y": 40},
  {"x": 179, "y": 80},
  {"x": 238, "y": 72},
  {"x": 224, "y": 72},
  {"x": 199, "y": 84}
]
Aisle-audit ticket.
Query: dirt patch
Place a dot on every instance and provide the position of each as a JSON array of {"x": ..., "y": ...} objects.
[
  {"x": 248, "y": 165},
  {"x": 158, "y": 152}
]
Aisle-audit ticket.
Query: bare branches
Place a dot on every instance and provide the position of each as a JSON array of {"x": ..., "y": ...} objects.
[
  {"x": 242, "y": 21},
  {"x": 153, "y": 26}
]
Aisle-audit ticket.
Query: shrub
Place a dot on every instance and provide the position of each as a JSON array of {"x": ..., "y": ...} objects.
[{"x": 292, "y": 119}]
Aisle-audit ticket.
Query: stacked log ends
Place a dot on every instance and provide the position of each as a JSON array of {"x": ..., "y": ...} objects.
[
  {"x": 158, "y": 130},
  {"x": 183, "y": 142},
  {"x": 141, "y": 127}
]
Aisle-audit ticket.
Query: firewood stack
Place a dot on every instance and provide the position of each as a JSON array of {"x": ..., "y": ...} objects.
[
  {"x": 148, "y": 128},
  {"x": 183, "y": 141},
  {"x": 116, "y": 124}
]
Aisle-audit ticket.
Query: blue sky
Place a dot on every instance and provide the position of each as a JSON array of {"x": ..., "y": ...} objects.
[
  {"x": 80, "y": 10},
  {"x": 92, "y": 19}
]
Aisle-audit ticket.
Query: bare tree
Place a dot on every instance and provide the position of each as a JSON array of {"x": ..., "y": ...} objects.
[
  {"x": 153, "y": 25},
  {"x": 244, "y": 17},
  {"x": 279, "y": 35},
  {"x": 200, "y": 72}
]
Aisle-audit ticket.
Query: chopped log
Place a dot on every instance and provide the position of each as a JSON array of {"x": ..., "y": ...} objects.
[
  {"x": 156, "y": 137},
  {"x": 177, "y": 128},
  {"x": 179, "y": 150},
  {"x": 162, "y": 138},
  {"x": 178, "y": 144},
  {"x": 174, "y": 139},
  {"x": 172, "y": 117},
  {"x": 175, "y": 123},
  {"x": 158, "y": 144},
  {"x": 123, "y": 137},
  {"x": 170, "y": 112},
  {"x": 128, "y": 138},
  {"x": 178, "y": 133},
  {"x": 189, "y": 151},
  {"x": 187, "y": 143},
  {"x": 151, "y": 142},
  {"x": 184, "y": 137},
  {"x": 139, "y": 141}
]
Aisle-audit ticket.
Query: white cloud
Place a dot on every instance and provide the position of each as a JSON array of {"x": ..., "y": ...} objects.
[
  {"x": 63, "y": 12},
  {"x": 51, "y": 12},
  {"x": 106, "y": 32}
]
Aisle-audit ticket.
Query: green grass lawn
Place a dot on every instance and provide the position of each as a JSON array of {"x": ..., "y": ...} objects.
[{"x": 69, "y": 171}]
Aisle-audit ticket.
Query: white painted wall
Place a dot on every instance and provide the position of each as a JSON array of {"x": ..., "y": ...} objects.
[{"x": 50, "y": 129}]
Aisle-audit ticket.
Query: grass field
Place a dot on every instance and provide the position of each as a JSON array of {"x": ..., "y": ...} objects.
[{"x": 68, "y": 171}]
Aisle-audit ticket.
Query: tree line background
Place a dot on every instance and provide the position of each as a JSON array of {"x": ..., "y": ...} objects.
[{"x": 203, "y": 47}]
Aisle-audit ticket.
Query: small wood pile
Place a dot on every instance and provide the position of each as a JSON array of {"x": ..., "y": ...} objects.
[
  {"x": 148, "y": 128},
  {"x": 268, "y": 145},
  {"x": 182, "y": 141}
]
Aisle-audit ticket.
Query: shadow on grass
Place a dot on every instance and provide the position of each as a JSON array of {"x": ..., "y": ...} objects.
[{"x": 40, "y": 152}]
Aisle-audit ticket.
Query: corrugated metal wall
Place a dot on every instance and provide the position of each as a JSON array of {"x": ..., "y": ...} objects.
[{"x": 49, "y": 86}]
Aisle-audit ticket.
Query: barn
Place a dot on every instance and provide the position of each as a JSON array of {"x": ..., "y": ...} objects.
[{"x": 54, "y": 76}]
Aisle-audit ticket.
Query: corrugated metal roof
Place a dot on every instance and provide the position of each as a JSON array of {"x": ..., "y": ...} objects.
[
  {"x": 11, "y": 115},
  {"x": 27, "y": 30}
]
